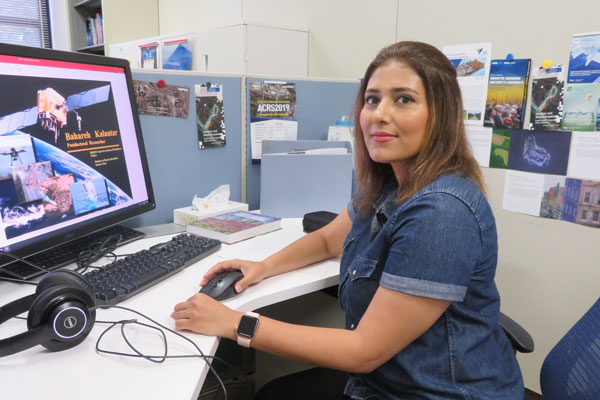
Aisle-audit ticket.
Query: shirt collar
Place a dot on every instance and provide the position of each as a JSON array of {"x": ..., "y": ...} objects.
[{"x": 385, "y": 201}]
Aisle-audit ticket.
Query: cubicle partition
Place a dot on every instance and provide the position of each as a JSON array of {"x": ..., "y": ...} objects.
[
  {"x": 178, "y": 167},
  {"x": 320, "y": 103}
]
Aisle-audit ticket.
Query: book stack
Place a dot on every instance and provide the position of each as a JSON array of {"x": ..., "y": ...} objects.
[
  {"x": 94, "y": 30},
  {"x": 234, "y": 226}
]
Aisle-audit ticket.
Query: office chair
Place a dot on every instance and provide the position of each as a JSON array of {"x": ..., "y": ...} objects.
[
  {"x": 520, "y": 339},
  {"x": 571, "y": 371}
]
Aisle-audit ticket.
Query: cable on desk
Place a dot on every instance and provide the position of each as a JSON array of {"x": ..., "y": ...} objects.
[
  {"x": 162, "y": 357},
  {"x": 153, "y": 358},
  {"x": 85, "y": 258},
  {"x": 97, "y": 250}
]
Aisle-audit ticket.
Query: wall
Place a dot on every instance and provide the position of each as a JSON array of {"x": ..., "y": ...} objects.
[
  {"x": 59, "y": 17},
  {"x": 548, "y": 273},
  {"x": 193, "y": 15},
  {"x": 129, "y": 20},
  {"x": 343, "y": 35}
]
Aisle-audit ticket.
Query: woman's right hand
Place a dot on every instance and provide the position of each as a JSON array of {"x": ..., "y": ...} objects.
[{"x": 253, "y": 271}]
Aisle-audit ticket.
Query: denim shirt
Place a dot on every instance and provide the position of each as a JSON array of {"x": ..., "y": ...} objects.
[{"x": 441, "y": 244}]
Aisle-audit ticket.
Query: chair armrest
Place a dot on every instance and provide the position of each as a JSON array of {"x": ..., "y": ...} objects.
[{"x": 520, "y": 339}]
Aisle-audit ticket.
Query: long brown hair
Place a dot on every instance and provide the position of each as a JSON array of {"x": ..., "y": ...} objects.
[{"x": 445, "y": 149}]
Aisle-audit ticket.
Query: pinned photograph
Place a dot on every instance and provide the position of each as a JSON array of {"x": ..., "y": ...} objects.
[
  {"x": 581, "y": 203},
  {"x": 552, "y": 200},
  {"x": 544, "y": 152},
  {"x": 499, "y": 148}
]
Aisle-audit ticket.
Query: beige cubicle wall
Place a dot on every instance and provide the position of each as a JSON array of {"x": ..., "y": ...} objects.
[
  {"x": 548, "y": 272},
  {"x": 129, "y": 20}
]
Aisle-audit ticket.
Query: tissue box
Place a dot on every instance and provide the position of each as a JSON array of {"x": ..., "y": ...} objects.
[{"x": 185, "y": 215}]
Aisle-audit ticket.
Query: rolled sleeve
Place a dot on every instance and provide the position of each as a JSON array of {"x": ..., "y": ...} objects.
[
  {"x": 351, "y": 211},
  {"x": 436, "y": 244}
]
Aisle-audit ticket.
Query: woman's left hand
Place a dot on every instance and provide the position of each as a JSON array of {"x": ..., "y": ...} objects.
[{"x": 203, "y": 314}]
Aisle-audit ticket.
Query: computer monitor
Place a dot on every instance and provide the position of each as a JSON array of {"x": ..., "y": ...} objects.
[{"x": 72, "y": 158}]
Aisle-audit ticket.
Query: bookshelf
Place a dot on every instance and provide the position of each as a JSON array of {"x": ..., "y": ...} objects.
[{"x": 79, "y": 12}]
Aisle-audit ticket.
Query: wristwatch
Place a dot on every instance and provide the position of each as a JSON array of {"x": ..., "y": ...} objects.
[{"x": 247, "y": 328}]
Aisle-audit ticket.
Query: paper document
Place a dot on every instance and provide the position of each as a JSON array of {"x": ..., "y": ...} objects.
[
  {"x": 272, "y": 114},
  {"x": 585, "y": 157},
  {"x": 480, "y": 139},
  {"x": 523, "y": 192},
  {"x": 330, "y": 150}
]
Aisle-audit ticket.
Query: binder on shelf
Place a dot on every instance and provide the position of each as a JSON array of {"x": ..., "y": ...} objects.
[{"x": 295, "y": 181}]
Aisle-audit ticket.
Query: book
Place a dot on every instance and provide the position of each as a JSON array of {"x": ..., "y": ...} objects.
[
  {"x": 507, "y": 93},
  {"x": 234, "y": 226},
  {"x": 99, "y": 28},
  {"x": 88, "y": 32}
]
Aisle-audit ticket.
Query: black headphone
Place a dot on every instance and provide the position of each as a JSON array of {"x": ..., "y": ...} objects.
[{"x": 59, "y": 314}]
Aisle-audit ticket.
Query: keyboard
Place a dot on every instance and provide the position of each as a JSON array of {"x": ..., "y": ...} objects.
[
  {"x": 135, "y": 273},
  {"x": 67, "y": 253}
]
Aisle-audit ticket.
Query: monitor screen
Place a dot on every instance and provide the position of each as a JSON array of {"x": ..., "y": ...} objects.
[{"x": 72, "y": 159}]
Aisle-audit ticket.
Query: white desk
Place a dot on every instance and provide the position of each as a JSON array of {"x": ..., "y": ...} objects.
[{"x": 81, "y": 373}]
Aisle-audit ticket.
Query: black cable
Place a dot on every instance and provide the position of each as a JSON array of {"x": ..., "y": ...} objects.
[
  {"x": 201, "y": 353},
  {"x": 97, "y": 250},
  {"x": 134, "y": 321},
  {"x": 123, "y": 323}
]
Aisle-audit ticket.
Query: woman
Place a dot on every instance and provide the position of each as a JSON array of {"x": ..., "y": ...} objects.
[{"x": 419, "y": 253}]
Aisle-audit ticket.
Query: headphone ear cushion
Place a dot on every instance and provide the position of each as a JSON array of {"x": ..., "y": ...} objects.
[
  {"x": 63, "y": 311},
  {"x": 66, "y": 277}
]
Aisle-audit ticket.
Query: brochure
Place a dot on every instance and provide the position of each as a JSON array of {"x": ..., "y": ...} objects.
[
  {"x": 177, "y": 54},
  {"x": 581, "y": 107},
  {"x": 547, "y": 91},
  {"x": 584, "y": 61},
  {"x": 272, "y": 113},
  {"x": 507, "y": 93},
  {"x": 472, "y": 63},
  {"x": 210, "y": 115}
]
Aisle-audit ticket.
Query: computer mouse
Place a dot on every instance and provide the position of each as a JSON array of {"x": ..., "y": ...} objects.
[{"x": 222, "y": 286}]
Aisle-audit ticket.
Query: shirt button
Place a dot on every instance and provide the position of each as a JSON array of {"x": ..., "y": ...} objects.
[
  {"x": 354, "y": 272},
  {"x": 352, "y": 326}
]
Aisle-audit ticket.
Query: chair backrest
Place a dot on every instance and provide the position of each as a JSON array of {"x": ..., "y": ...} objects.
[{"x": 571, "y": 371}]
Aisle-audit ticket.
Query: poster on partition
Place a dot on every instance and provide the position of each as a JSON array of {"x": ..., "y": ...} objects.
[
  {"x": 580, "y": 110},
  {"x": 507, "y": 93},
  {"x": 166, "y": 101},
  {"x": 547, "y": 91},
  {"x": 210, "y": 115},
  {"x": 272, "y": 113},
  {"x": 584, "y": 60},
  {"x": 472, "y": 63}
]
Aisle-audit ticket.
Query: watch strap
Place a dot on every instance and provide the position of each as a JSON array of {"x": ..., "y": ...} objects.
[{"x": 245, "y": 341}]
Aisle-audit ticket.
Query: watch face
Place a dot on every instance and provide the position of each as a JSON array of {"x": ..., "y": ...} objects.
[{"x": 247, "y": 326}]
